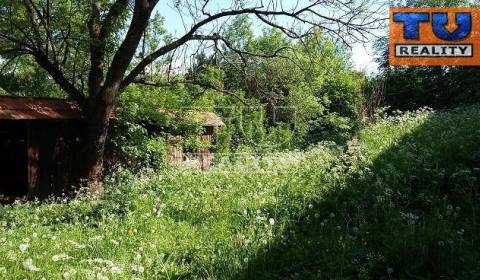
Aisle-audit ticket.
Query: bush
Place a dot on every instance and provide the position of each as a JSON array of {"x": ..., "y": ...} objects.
[{"x": 135, "y": 148}]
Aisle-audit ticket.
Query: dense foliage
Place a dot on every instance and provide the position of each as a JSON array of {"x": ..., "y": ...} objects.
[
  {"x": 305, "y": 95},
  {"x": 400, "y": 202}
]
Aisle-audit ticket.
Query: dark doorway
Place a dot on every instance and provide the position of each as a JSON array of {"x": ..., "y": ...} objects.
[{"x": 13, "y": 161}]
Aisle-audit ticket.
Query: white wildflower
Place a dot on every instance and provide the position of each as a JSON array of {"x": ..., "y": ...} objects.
[
  {"x": 28, "y": 264},
  {"x": 115, "y": 270},
  {"x": 59, "y": 257},
  {"x": 69, "y": 273},
  {"x": 101, "y": 277},
  {"x": 271, "y": 221},
  {"x": 332, "y": 215},
  {"x": 97, "y": 238},
  {"x": 77, "y": 245},
  {"x": 24, "y": 247},
  {"x": 138, "y": 257},
  {"x": 138, "y": 268}
]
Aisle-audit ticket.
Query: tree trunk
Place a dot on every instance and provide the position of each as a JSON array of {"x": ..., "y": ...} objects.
[{"x": 97, "y": 131}]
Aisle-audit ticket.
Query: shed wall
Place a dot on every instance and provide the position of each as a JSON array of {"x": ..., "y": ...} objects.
[
  {"x": 39, "y": 158},
  {"x": 54, "y": 156}
]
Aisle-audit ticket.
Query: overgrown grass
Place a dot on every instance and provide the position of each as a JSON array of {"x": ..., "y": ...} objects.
[{"x": 400, "y": 202}]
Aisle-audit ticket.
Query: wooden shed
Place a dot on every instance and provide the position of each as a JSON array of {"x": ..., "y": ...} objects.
[
  {"x": 210, "y": 123},
  {"x": 40, "y": 140}
]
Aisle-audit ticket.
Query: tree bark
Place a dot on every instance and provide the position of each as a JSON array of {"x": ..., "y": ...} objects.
[
  {"x": 103, "y": 91},
  {"x": 98, "y": 123}
]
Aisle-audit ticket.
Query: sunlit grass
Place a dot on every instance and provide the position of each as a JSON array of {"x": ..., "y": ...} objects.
[{"x": 399, "y": 201}]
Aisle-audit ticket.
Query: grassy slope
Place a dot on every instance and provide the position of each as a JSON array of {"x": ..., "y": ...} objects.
[{"x": 401, "y": 202}]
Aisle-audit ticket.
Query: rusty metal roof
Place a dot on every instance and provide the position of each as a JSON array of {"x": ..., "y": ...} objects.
[{"x": 33, "y": 108}]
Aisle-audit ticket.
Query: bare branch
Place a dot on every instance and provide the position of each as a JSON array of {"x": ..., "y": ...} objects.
[{"x": 342, "y": 27}]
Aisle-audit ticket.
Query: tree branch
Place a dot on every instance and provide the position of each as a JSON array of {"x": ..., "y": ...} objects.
[
  {"x": 298, "y": 14},
  {"x": 196, "y": 83},
  {"x": 17, "y": 42},
  {"x": 126, "y": 51},
  {"x": 112, "y": 17},
  {"x": 185, "y": 38},
  {"x": 59, "y": 78}
]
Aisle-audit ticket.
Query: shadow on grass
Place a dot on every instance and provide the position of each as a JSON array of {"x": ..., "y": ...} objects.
[{"x": 412, "y": 216}]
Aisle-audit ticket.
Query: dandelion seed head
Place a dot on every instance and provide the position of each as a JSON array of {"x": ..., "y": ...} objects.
[
  {"x": 138, "y": 268},
  {"x": 115, "y": 270},
  {"x": 28, "y": 264},
  {"x": 138, "y": 257},
  {"x": 24, "y": 247},
  {"x": 69, "y": 273}
]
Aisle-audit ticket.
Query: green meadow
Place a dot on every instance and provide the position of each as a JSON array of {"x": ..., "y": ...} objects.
[{"x": 399, "y": 201}]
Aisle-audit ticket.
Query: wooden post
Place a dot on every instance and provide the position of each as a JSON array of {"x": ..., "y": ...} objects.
[{"x": 33, "y": 159}]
